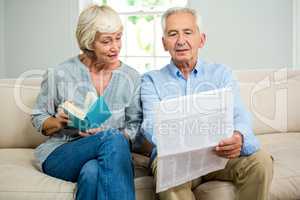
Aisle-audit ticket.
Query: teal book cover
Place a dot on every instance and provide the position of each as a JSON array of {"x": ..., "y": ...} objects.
[{"x": 93, "y": 115}]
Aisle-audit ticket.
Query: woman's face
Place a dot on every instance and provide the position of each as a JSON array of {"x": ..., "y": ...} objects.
[{"x": 107, "y": 47}]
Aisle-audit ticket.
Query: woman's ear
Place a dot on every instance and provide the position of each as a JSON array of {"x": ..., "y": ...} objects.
[{"x": 202, "y": 40}]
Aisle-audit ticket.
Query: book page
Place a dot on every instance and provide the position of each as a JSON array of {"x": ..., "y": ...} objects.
[{"x": 187, "y": 130}]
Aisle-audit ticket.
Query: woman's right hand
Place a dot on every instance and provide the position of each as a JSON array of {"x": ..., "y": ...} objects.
[{"x": 54, "y": 124}]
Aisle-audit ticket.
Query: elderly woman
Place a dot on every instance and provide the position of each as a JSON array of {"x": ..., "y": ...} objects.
[{"x": 98, "y": 159}]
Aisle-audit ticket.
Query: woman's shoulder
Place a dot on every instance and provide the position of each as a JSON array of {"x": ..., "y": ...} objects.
[
  {"x": 130, "y": 71},
  {"x": 68, "y": 64},
  {"x": 69, "y": 68}
]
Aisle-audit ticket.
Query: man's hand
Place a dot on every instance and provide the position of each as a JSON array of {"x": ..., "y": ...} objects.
[
  {"x": 54, "y": 124},
  {"x": 230, "y": 147}
]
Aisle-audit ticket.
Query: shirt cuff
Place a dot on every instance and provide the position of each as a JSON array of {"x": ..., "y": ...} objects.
[{"x": 39, "y": 121}]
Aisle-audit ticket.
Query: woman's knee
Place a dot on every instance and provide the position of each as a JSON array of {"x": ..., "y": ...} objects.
[
  {"x": 89, "y": 172},
  {"x": 117, "y": 139}
]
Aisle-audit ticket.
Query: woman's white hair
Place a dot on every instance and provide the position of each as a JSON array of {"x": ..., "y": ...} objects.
[
  {"x": 95, "y": 19},
  {"x": 175, "y": 10}
]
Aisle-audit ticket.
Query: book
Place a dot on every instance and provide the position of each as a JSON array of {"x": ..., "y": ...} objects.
[{"x": 94, "y": 113}]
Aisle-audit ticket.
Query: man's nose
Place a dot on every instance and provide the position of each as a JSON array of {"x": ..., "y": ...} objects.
[{"x": 180, "y": 39}]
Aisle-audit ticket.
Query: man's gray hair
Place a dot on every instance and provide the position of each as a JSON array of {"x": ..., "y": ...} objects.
[{"x": 175, "y": 10}]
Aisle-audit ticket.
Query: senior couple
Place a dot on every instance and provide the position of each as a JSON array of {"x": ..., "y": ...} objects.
[{"x": 99, "y": 159}]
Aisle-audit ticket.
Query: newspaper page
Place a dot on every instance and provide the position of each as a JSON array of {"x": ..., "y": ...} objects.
[{"x": 187, "y": 130}]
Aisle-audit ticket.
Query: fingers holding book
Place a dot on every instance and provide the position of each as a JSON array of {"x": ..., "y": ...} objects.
[
  {"x": 90, "y": 132},
  {"x": 62, "y": 116}
]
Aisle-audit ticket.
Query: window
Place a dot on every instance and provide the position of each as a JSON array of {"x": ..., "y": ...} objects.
[{"x": 142, "y": 47}]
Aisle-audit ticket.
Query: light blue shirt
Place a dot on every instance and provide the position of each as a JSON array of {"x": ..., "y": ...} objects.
[{"x": 169, "y": 82}]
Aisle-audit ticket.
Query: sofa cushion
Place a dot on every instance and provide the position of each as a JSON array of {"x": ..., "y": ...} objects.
[
  {"x": 285, "y": 149},
  {"x": 21, "y": 179},
  {"x": 271, "y": 96},
  {"x": 15, "y": 104},
  {"x": 261, "y": 103},
  {"x": 293, "y": 104}
]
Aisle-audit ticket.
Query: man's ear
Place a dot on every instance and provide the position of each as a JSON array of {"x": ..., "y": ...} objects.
[
  {"x": 164, "y": 43},
  {"x": 202, "y": 40}
]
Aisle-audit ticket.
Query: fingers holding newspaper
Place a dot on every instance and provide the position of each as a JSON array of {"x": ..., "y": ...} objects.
[{"x": 230, "y": 147}]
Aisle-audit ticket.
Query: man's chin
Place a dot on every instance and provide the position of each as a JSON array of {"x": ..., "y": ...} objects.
[{"x": 182, "y": 60}]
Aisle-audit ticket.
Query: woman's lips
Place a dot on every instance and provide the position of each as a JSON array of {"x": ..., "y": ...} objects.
[{"x": 113, "y": 55}]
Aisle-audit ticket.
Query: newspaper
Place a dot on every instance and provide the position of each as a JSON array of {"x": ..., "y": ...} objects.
[{"x": 187, "y": 130}]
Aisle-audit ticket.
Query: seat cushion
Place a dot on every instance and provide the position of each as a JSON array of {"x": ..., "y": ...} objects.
[
  {"x": 285, "y": 149},
  {"x": 20, "y": 178}
]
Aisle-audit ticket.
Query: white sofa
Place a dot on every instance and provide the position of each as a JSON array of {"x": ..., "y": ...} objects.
[{"x": 271, "y": 95}]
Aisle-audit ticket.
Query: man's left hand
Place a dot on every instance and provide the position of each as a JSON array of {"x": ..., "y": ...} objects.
[{"x": 230, "y": 147}]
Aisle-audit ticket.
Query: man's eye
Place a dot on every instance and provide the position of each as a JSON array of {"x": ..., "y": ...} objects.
[
  {"x": 188, "y": 32},
  {"x": 172, "y": 34},
  {"x": 105, "y": 42}
]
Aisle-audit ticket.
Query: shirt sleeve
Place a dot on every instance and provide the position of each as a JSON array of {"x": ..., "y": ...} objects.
[
  {"x": 149, "y": 97},
  {"x": 45, "y": 102},
  {"x": 242, "y": 118},
  {"x": 133, "y": 113}
]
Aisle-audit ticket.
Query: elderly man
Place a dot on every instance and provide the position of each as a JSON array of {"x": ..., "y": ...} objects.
[{"x": 248, "y": 168}]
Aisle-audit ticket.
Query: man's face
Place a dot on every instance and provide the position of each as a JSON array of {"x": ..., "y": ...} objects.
[{"x": 182, "y": 38}]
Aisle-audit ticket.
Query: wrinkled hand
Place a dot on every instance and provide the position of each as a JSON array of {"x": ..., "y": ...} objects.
[
  {"x": 230, "y": 147},
  {"x": 54, "y": 124},
  {"x": 90, "y": 132},
  {"x": 62, "y": 117}
]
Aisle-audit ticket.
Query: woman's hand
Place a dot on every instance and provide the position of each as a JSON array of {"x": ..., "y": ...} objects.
[
  {"x": 54, "y": 124},
  {"x": 90, "y": 132}
]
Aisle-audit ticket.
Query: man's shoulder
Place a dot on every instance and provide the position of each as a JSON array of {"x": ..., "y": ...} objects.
[
  {"x": 157, "y": 75},
  {"x": 215, "y": 68}
]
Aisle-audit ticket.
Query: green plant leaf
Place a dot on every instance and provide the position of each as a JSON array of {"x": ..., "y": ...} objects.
[
  {"x": 131, "y": 2},
  {"x": 104, "y": 2},
  {"x": 134, "y": 19},
  {"x": 149, "y": 18}
]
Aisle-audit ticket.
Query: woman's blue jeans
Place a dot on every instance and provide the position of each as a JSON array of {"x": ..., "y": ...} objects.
[{"x": 100, "y": 164}]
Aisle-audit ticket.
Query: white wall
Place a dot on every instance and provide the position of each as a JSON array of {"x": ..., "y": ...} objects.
[
  {"x": 248, "y": 33},
  {"x": 39, "y": 34},
  {"x": 2, "y": 62}
]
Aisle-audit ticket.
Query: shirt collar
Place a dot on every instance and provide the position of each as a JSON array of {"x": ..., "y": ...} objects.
[{"x": 177, "y": 73}]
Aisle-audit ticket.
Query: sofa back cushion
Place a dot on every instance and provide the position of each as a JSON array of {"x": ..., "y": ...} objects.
[
  {"x": 16, "y": 103},
  {"x": 271, "y": 97},
  {"x": 294, "y": 103}
]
